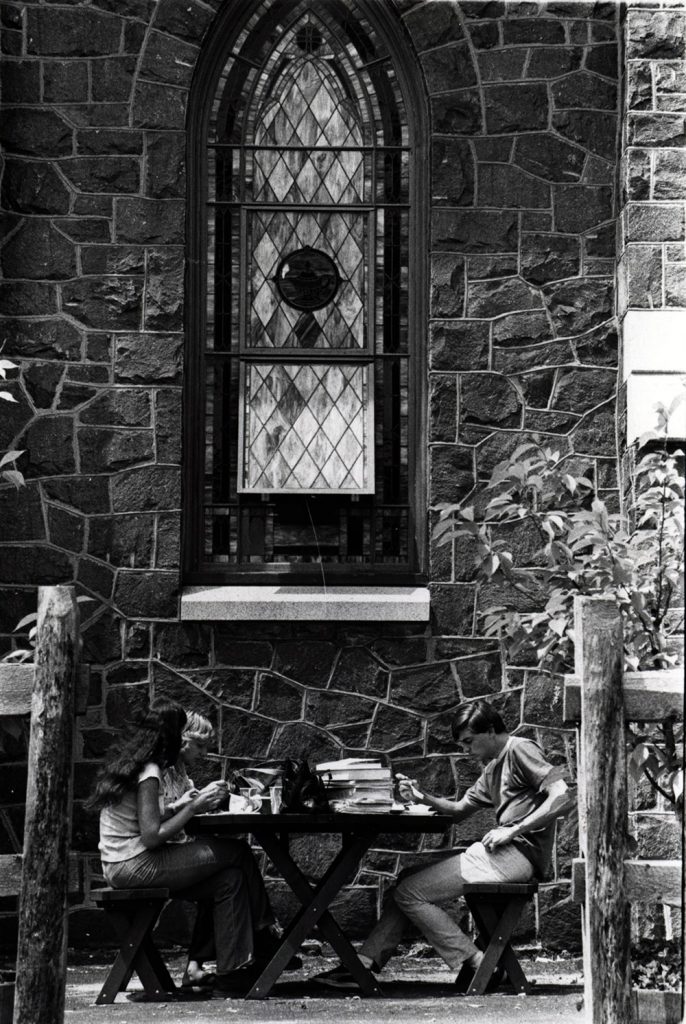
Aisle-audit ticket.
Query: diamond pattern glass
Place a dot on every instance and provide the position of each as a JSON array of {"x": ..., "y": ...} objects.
[{"x": 306, "y": 428}]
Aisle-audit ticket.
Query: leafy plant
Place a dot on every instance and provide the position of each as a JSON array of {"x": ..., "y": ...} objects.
[
  {"x": 582, "y": 548},
  {"x": 657, "y": 754},
  {"x": 8, "y": 469}
]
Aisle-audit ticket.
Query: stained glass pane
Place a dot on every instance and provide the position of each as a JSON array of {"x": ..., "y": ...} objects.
[
  {"x": 272, "y": 235},
  {"x": 307, "y": 427}
]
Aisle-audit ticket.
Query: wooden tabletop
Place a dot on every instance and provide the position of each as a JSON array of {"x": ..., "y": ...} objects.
[{"x": 360, "y": 824}]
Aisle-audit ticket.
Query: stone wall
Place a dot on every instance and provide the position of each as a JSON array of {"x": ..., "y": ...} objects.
[{"x": 522, "y": 342}]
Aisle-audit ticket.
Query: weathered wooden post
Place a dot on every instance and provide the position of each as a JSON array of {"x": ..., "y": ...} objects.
[
  {"x": 599, "y": 662},
  {"x": 42, "y": 945}
]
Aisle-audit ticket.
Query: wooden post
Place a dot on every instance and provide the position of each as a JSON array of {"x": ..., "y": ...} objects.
[
  {"x": 42, "y": 945},
  {"x": 599, "y": 660}
]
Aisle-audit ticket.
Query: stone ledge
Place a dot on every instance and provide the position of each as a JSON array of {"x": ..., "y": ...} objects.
[{"x": 292, "y": 603}]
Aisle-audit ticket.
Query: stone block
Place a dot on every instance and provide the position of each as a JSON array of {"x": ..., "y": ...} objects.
[
  {"x": 593, "y": 129},
  {"x": 123, "y": 540},
  {"x": 148, "y": 359},
  {"x": 120, "y": 407},
  {"x": 536, "y": 386},
  {"x": 596, "y": 431},
  {"x": 670, "y": 174},
  {"x": 484, "y": 35},
  {"x": 424, "y": 688},
  {"x": 97, "y": 115},
  {"x": 315, "y": 744},
  {"x": 150, "y": 221},
  {"x": 36, "y": 251},
  {"x": 111, "y": 174},
  {"x": 504, "y": 295},
  {"x": 512, "y": 108},
  {"x": 65, "y": 81},
  {"x": 639, "y": 85},
  {"x": 521, "y": 328},
  {"x": 654, "y": 222},
  {"x": 164, "y": 290},
  {"x": 277, "y": 699},
  {"x": 478, "y": 676},
  {"x": 549, "y": 257},
  {"x": 520, "y": 359},
  {"x": 433, "y": 26},
  {"x": 86, "y": 493},
  {"x": 21, "y": 514},
  {"x": 96, "y": 578},
  {"x": 601, "y": 242},
  {"x": 102, "y": 449},
  {"x": 584, "y": 90},
  {"x": 497, "y": 149},
  {"x": 310, "y": 663},
  {"x": 70, "y": 32},
  {"x": 105, "y": 303},
  {"x": 34, "y": 132},
  {"x": 48, "y": 442},
  {"x": 549, "y": 157},
  {"x": 185, "y": 19},
  {"x": 554, "y": 61},
  {"x": 165, "y": 174},
  {"x": 112, "y": 79},
  {"x": 33, "y": 187},
  {"x": 400, "y": 651},
  {"x": 103, "y": 260},
  {"x": 603, "y": 60},
  {"x": 150, "y": 487},
  {"x": 159, "y": 106},
  {"x": 168, "y": 60},
  {"x": 655, "y": 34},
  {"x": 658, "y": 835},
  {"x": 449, "y": 67},
  {"x": 88, "y": 229},
  {"x": 357, "y": 671},
  {"x": 20, "y": 81},
  {"x": 533, "y": 30},
  {"x": 670, "y": 77},
  {"x": 675, "y": 285},
  {"x": 575, "y": 306},
  {"x": 453, "y": 608},
  {"x": 185, "y": 645},
  {"x": 393, "y": 729},
  {"x": 452, "y": 167},
  {"x": 234, "y": 687},
  {"x": 447, "y": 285},
  {"x": 168, "y": 425},
  {"x": 542, "y": 702},
  {"x": 474, "y": 230},
  {"x": 150, "y": 594},
  {"x": 443, "y": 407},
  {"x": 108, "y": 142},
  {"x": 456, "y": 113},
  {"x": 65, "y": 530},
  {"x": 640, "y": 277},
  {"x": 502, "y": 65},
  {"x": 502, "y": 185},
  {"x": 451, "y": 467},
  {"x": 481, "y": 268},
  {"x": 658, "y": 129},
  {"x": 35, "y": 564},
  {"x": 579, "y": 207},
  {"x": 559, "y": 919},
  {"x": 328, "y": 709}
]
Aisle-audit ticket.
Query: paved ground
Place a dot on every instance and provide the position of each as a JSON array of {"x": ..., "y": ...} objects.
[{"x": 415, "y": 991}]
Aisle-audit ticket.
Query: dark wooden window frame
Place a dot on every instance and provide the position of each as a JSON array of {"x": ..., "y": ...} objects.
[{"x": 224, "y": 33}]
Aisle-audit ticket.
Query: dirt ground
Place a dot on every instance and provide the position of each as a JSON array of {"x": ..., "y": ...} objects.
[{"x": 415, "y": 991}]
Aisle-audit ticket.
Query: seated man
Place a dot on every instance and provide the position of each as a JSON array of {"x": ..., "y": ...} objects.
[{"x": 527, "y": 793}]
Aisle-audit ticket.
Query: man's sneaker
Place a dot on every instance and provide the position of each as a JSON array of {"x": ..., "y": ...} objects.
[{"x": 337, "y": 977}]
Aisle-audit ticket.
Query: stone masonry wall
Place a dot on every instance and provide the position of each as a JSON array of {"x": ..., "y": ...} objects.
[{"x": 522, "y": 341}]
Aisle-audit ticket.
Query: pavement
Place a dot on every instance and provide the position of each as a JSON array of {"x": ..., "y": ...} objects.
[{"x": 416, "y": 989}]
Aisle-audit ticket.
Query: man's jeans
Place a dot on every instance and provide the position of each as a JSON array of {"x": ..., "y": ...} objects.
[
  {"x": 222, "y": 872},
  {"x": 420, "y": 889}
]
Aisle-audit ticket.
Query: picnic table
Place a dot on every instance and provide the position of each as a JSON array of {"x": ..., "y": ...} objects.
[{"x": 357, "y": 833}]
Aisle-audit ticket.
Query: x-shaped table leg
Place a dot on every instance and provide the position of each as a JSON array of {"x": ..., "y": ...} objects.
[
  {"x": 315, "y": 900},
  {"x": 496, "y": 928}
]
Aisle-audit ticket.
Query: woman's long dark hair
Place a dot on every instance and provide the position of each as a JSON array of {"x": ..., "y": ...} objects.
[{"x": 156, "y": 737}]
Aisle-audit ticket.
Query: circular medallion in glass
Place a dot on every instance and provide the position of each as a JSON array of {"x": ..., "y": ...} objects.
[{"x": 307, "y": 279}]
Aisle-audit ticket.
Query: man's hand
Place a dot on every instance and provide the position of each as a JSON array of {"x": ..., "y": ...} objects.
[
  {"x": 408, "y": 789},
  {"x": 500, "y": 836}
]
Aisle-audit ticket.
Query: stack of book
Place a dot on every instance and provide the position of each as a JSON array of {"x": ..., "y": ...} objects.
[{"x": 357, "y": 784}]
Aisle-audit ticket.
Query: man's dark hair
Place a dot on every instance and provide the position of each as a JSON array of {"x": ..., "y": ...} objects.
[{"x": 477, "y": 715}]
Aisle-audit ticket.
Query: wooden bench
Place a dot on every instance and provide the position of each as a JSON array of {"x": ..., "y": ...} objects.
[
  {"x": 496, "y": 908},
  {"x": 134, "y": 914}
]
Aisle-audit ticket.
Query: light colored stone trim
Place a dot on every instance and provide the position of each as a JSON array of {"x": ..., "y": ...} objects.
[
  {"x": 293, "y": 603},
  {"x": 654, "y": 341}
]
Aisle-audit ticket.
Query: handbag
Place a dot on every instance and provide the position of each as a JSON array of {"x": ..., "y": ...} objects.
[{"x": 303, "y": 791}]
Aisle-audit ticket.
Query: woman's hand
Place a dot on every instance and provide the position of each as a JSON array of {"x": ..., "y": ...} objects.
[
  {"x": 186, "y": 798},
  {"x": 408, "y": 789},
  {"x": 210, "y": 796}
]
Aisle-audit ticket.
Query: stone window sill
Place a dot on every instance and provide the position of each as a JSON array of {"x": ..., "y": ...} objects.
[{"x": 293, "y": 603}]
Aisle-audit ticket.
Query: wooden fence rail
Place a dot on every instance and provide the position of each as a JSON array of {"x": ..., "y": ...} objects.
[{"x": 599, "y": 699}]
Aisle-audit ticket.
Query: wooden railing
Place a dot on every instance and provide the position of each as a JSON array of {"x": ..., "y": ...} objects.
[
  {"x": 44, "y": 873},
  {"x": 599, "y": 699}
]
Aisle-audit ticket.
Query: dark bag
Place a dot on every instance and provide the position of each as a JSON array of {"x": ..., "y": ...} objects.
[{"x": 302, "y": 790}]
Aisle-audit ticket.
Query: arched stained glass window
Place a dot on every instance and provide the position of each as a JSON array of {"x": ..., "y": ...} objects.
[{"x": 306, "y": 364}]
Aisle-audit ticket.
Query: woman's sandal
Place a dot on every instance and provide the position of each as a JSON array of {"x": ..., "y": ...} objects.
[{"x": 207, "y": 980}]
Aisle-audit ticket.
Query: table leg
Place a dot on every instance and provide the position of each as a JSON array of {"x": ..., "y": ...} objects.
[
  {"x": 315, "y": 902},
  {"x": 496, "y": 927}
]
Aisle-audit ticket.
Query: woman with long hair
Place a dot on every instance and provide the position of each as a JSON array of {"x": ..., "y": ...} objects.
[{"x": 137, "y": 848}]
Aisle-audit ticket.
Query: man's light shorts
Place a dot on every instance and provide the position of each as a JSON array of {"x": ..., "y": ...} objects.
[{"x": 504, "y": 864}]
